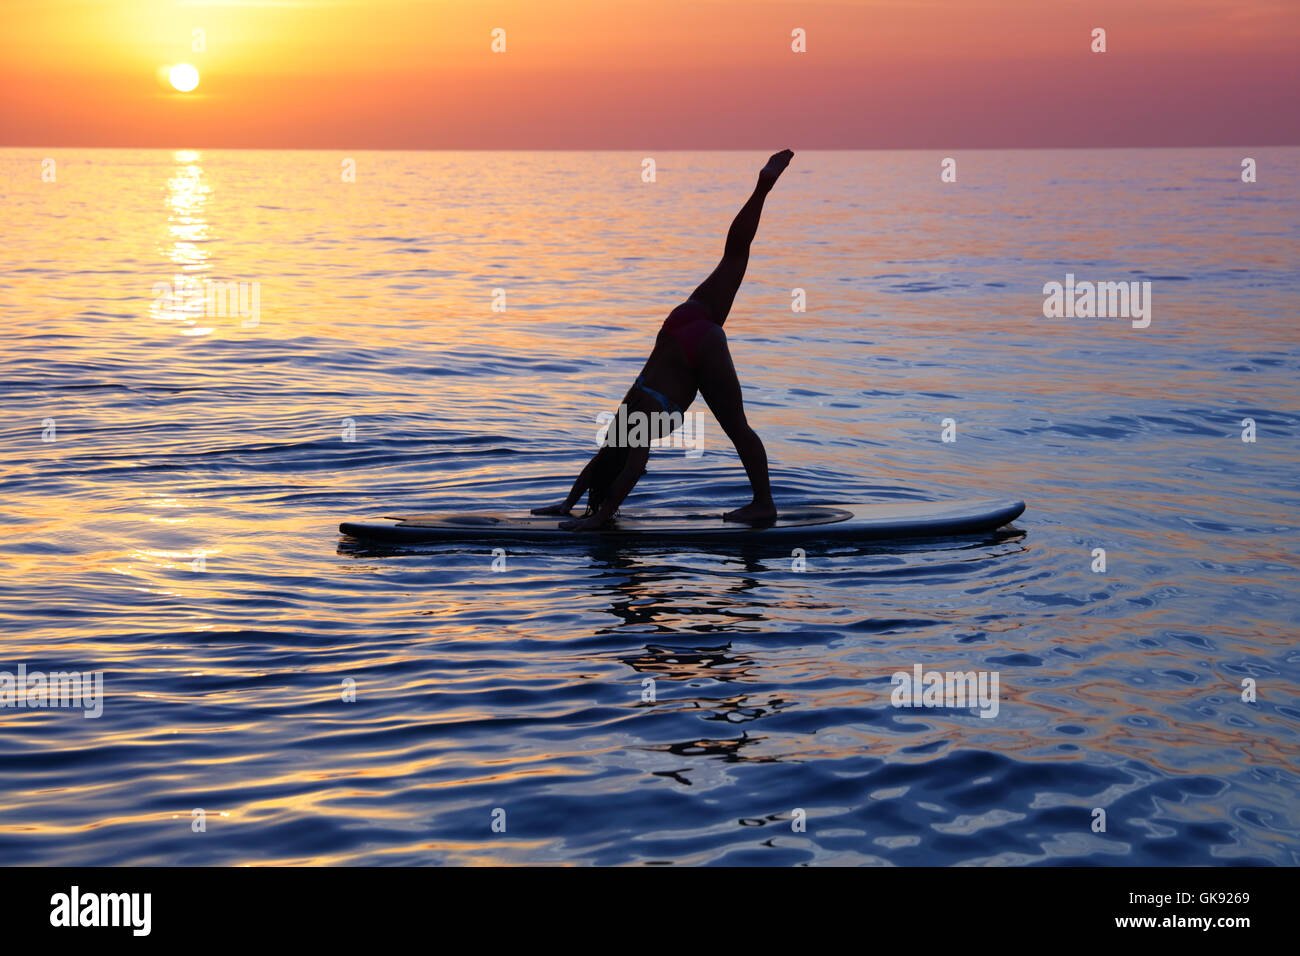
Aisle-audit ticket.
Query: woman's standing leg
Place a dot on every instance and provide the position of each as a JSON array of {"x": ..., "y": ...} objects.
[{"x": 720, "y": 388}]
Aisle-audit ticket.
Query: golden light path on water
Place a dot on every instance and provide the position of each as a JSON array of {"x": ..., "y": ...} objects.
[{"x": 185, "y": 244}]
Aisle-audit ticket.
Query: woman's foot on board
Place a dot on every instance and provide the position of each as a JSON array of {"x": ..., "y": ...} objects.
[{"x": 753, "y": 512}]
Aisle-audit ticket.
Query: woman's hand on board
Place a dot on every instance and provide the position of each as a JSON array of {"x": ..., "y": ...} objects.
[{"x": 589, "y": 523}]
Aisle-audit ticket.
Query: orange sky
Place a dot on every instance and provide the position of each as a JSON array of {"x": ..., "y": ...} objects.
[{"x": 355, "y": 74}]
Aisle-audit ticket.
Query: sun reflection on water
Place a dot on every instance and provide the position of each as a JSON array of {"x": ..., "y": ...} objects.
[{"x": 183, "y": 300}]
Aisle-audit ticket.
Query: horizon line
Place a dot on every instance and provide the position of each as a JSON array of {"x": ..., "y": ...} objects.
[{"x": 672, "y": 149}]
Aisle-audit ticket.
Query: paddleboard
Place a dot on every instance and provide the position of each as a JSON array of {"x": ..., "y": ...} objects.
[{"x": 845, "y": 522}]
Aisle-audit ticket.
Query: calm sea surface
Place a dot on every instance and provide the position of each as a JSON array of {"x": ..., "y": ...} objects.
[{"x": 172, "y": 475}]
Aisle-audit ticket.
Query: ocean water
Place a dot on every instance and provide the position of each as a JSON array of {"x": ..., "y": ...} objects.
[{"x": 173, "y": 471}]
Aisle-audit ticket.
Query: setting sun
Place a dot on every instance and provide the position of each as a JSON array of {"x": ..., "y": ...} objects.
[{"x": 184, "y": 77}]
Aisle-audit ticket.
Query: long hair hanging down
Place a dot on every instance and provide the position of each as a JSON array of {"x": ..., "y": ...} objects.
[{"x": 605, "y": 469}]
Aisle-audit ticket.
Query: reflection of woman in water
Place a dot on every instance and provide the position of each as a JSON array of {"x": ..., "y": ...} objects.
[{"x": 690, "y": 355}]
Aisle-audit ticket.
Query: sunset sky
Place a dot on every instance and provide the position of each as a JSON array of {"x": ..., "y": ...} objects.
[{"x": 581, "y": 74}]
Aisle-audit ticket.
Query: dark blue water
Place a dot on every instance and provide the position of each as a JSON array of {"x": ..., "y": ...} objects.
[{"x": 179, "y": 531}]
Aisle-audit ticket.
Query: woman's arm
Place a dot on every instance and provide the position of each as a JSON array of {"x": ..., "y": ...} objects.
[
  {"x": 580, "y": 487},
  {"x": 622, "y": 486}
]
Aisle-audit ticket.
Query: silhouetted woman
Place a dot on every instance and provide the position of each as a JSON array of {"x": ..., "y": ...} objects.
[{"x": 690, "y": 356}]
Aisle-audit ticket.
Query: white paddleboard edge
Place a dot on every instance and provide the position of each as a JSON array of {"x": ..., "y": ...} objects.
[{"x": 845, "y": 522}]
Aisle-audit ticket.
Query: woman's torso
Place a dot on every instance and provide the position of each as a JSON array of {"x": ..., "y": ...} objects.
[{"x": 672, "y": 366}]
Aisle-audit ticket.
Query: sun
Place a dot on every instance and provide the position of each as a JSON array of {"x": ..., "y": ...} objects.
[{"x": 184, "y": 77}]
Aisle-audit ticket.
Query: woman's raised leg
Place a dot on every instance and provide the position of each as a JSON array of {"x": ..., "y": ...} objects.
[{"x": 718, "y": 291}]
